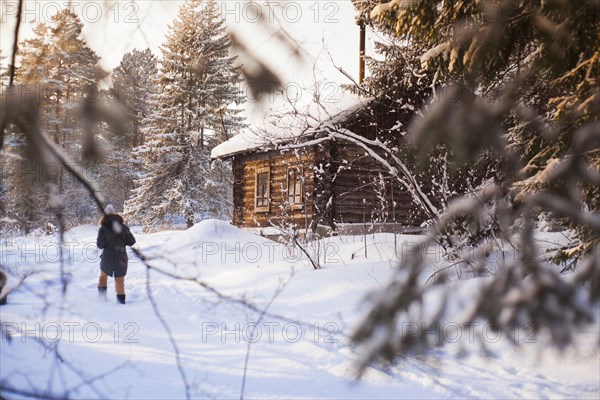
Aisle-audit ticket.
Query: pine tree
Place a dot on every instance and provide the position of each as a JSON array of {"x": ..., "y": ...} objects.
[
  {"x": 58, "y": 63},
  {"x": 132, "y": 84},
  {"x": 194, "y": 108},
  {"x": 21, "y": 189}
]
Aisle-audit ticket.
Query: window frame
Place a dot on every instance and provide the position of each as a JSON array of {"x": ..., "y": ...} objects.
[
  {"x": 298, "y": 173},
  {"x": 262, "y": 208}
]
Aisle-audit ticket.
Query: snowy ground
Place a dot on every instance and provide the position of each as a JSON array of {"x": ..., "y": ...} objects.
[{"x": 79, "y": 346}]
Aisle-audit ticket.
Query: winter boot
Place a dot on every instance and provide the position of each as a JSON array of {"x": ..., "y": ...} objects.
[
  {"x": 102, "y": 292},
  {"x": 121, "y": 298}
]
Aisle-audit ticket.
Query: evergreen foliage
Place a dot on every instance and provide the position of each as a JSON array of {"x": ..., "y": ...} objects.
[
  {"x": 518, "y": 82},
  {"x": 132, "y": 85},
  {"x": 194, "y": 108},
  {"x": 57, "y": 68},
  {"x": 61, "y": 65}
]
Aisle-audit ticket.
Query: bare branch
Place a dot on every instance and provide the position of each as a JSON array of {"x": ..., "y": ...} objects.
[
  {"x": 167, "y": 329},
  {"x": 278, "y": 291}
]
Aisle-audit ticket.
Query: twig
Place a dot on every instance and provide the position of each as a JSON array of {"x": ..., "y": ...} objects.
[
  {"x": 170, "y": 334},
  {"x": 446, "y": 268},
  {"x": 4, "y": 122},
  {"x": 260, "y": 317},
  {"x": 62, "y": 159},
  {"x": 4, "y": 389},
  {"x": 15, "y": 44},
  {"x": 294, "y": 239}
]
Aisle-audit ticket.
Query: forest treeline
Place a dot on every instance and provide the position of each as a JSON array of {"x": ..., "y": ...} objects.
[{"x": 150, "y": 156}]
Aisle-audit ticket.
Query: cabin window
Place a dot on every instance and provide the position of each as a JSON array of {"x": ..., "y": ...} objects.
[
  {"x": 262, "y": 190},
  {"x": 295, "y": 186}
]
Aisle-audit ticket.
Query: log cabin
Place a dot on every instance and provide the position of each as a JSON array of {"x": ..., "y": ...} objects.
[{"x": 304, "y": 172}]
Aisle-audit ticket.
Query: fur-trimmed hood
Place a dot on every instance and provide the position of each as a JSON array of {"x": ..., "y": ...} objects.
[{"x": 107, "y": 220}]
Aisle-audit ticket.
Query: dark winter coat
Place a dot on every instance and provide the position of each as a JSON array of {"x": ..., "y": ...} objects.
[{"x": 113, "y": 236}]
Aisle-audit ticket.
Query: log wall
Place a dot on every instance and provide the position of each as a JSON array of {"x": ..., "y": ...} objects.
[
  {"x": 342, "y": 183},
  {"x": 280, "y": 212},
  {"x": 364, "y": 191}
]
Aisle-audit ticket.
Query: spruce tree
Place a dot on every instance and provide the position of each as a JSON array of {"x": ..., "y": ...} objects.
[{"x": 194, "y": 108}]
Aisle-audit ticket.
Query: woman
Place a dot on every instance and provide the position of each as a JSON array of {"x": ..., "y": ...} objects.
[{"x": 113, "y": 236}]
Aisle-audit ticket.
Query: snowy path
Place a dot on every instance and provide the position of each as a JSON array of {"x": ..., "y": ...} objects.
[{"x": 124, "y": 352}]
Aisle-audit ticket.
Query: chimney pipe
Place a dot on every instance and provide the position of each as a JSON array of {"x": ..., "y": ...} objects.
[{"x": 361, "y": 56}]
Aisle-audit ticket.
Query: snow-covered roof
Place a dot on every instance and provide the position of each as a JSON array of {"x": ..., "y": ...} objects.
[{"x": 292, "y": 125}]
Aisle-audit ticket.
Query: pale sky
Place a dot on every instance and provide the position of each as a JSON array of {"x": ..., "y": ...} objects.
[{"x": 323, "y": 29}]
